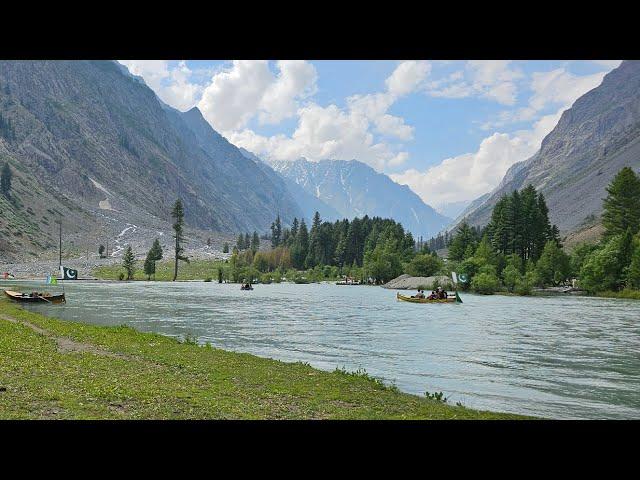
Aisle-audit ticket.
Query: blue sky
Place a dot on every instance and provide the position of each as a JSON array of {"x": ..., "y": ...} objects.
[{"x": 448, "y": 129}]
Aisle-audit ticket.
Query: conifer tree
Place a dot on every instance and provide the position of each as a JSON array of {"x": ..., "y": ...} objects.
[
  {"x": 128, "y": 262},
  {"x": 622, "y": 205},
  {"x": 255, "y": 242},
  {"x": 178, "y": 214}
]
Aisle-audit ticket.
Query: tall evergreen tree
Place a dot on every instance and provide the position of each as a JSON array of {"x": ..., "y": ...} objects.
[
  {"x": 247, "y": 241},
  {"x": 178, "y": 228},
  {"x": 155, "y": 253},
  {"x": 314, "y": 253},
  {"x": 301, "y": 246},
  {"x": 622, "y": 205},
  {"x": 128, "y": 262},
  {"x": 464, "y": 241},
  {"x": 240, "y": 242},
  {"x": 255, "y": 242},
  {"x": 276, "y": 232}
]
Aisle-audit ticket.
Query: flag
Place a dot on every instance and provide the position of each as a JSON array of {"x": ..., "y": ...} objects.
[
  {"x": 51, "y": 280},
  {"x": 463, "y": 278},
  {"x": 68, "y": 273},
  {"x": 454, "y": 277}
]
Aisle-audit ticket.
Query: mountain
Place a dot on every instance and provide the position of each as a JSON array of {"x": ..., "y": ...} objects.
[
  {"x": 308, "y": 203},
  {"x": 354, "y": 189},
  {"x": 592, "y": 141},
  {"x": 87, "y": 140}
]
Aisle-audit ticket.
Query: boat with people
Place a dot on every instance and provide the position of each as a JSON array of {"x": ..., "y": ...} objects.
[
  {"x": 35, "y": 297},
  {"x": 246, "y": 286},
  {"x": 412, "y": 299}
]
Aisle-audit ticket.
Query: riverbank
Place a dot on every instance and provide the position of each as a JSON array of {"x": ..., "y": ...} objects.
[{"x": 56, "y": 369}]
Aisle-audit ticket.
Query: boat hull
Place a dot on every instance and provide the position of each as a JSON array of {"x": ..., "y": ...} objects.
[
  {"x": 404, "y": 298},
  {"x": 27, "y": 298}
]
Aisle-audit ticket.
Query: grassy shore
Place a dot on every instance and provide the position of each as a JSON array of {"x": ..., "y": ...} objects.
[
  {"x": 628, "y": 294},
  {"x": 57, "y": 369},
  {"x": 194, "y": 270}
]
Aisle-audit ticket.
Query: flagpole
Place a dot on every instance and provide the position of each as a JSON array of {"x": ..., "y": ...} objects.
[{"x": 60, "y": 247}]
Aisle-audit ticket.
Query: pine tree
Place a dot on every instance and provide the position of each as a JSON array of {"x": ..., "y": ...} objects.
[
  {"x": 313, "y": 255},
  {"x": 276, "y": 232},
  {"x": 101, "y": 251},
  {"x": 255, "y": 242},
  {"x": 155, "y": 253},
  {"x": 240, "y": 242},
  {"x": 247, "y": 241},
  {"x": 128, "y": 262},
  {"x": 622, "y": 205},
  {"x": 301, "y": 246},
  {"x": 178, "y": 214},
  {"x": 5, "y": 180},
  {"x": 225, "y": 248}
]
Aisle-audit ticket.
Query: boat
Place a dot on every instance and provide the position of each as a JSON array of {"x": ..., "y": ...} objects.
[
  {"x": 404, "y": 298},
  {"x": 35, "y": 297},
  {"x": 243, "y": 287}
]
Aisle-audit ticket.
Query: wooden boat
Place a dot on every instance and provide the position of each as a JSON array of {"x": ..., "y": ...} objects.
[
  {"x": 35, "y": 297},
  {"x": 404, "y": 298},
  {"x": 246, "y": 288}
]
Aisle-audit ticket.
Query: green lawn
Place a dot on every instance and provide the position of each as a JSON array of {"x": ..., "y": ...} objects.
[
  {"x": 77, "y": 371},
  {"x": 194, "y": 270}
]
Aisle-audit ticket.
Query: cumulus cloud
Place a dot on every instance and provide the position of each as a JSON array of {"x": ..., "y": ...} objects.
[
  {"x": 322, "y": 133},
  {"x": 172, "y": 85},
  {"x": 466, "y": 177},
  {"x": 341, "y": 133},
  {"x": 407, "y": 77},
  {"x": 248, "y": 89}
]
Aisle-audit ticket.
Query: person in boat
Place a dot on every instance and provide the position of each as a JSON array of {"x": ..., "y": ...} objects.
[
  {"x": 420, "y": 294},
  {"x": 444, "y": 294},
  {"x": 433, "y": 295}
]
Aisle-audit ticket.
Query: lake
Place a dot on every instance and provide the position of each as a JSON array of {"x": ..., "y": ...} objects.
[{"x": 555, "y": 357}]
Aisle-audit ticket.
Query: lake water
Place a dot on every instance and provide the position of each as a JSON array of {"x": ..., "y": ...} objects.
[{"x": 555, "y": 357}]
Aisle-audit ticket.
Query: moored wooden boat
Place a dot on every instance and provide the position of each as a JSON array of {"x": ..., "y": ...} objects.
[
  {"x": 35, "y": 297},
  {"x": 404, "y": 298}
]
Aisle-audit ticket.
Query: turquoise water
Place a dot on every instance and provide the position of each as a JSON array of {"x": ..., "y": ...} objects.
[{"x": 557, "y": 357}]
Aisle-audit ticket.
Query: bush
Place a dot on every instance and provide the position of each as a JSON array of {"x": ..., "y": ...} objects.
[
  {"x": 485, "y": 283},
  {"x": 121, "y": 276},
  {"x": 424, "y": 266}
]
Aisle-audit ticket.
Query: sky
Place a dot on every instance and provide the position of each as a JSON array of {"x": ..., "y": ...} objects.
[{"x": 448, "y": 129}]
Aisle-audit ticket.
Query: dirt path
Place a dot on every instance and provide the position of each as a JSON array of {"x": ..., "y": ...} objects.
[{"x": 64, "y": 344}]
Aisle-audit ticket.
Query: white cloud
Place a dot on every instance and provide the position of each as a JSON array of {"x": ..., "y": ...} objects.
[
  {"x": 172, "y": 85},
  {"x": 322, "y": 133},
  {"x": 466, "y": 177},
  {"x": 609, "y": 64},
  {"x": 343, "y": 133},
  {"x": 491, "y": 79},
  {"x": 561, "y": 87},
  {"x": 553, "y": 89},
  {"x": 407, "y": 77},
  {"x": 249, "y": 89}
]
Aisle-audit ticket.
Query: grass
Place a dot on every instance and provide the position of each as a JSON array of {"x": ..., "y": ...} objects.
[
  {"x": 626, "y": 293},
  {"x": 194, "y": 270},
  {"x": 134, "y": 375}
]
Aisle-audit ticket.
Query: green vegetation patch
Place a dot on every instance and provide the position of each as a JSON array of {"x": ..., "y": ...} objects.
[{"x": 118, "y": 372}]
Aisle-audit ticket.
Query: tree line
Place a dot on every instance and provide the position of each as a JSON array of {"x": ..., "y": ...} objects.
[{"x": 520, "y": 249}]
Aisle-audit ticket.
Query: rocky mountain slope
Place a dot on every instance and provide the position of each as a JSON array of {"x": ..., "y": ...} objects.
[
  {"x": 593, "y": 140},
  {"x": 87, "y": 141},
  {"x": 354, "y": 189}
]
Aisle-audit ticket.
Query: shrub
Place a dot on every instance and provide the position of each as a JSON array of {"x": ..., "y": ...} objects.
[{"x": 485, "y": 283}]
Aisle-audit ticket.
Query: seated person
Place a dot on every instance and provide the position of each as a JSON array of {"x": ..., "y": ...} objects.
[
  {"x": 420, "y": 294},
  {"x": 433, "y": 295},
  {"x": 444, "y": 294}
]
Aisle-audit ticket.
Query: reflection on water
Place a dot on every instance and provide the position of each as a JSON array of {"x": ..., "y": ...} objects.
[{"x": 560, "y": 357}]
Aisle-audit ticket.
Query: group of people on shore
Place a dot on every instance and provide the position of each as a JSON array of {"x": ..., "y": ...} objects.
[{"x": 437, "y": 294}]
